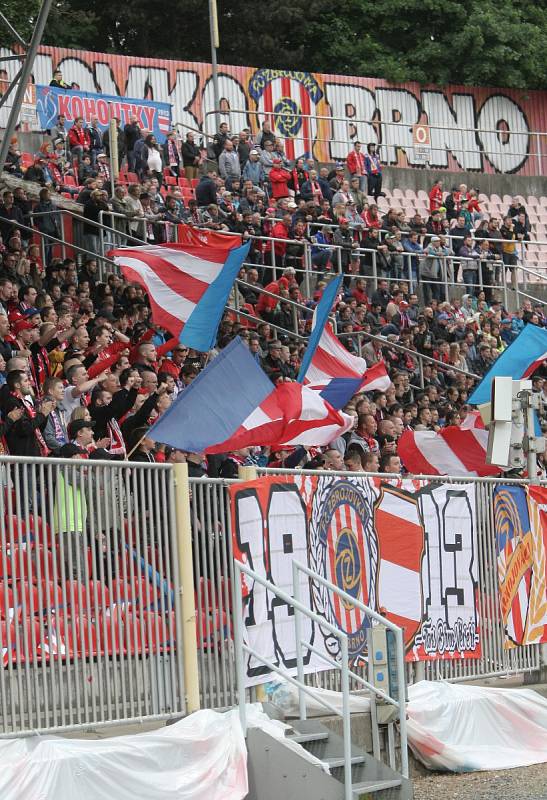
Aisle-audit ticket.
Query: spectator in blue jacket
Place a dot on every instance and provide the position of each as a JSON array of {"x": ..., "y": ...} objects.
[{"x": 412, "y": 245}]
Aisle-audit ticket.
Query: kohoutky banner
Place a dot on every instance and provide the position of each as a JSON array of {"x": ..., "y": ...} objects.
[
  {"x": 406, "y": 548},
  {"x": 520, "y": 515},
  {"x": 51, "y": 101}
]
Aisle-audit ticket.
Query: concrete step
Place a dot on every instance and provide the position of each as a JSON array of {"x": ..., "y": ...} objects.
[
  {"x": 369, "y": 787},
  {"x": 338, "y": 761},
  {"x": 304, "y": 738}
]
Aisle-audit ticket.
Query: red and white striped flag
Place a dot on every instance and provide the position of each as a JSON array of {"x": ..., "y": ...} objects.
[
  {"x": 452, "y": 451},
  {"x": 187, "y": 285},
  {"x": 338, "y": 374}
]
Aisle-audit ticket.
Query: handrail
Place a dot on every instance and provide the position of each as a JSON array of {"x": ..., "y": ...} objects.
[
  {"x": 400, "y": 703},
  {"x": 354, "y": 121},
  {"x": 414, "y": 353},
  {"x": 386, "y": 125},
  {"x": 242, "y": 648}
]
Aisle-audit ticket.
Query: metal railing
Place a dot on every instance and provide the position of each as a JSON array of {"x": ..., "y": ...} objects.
[
  {"x": 399, "y": 702},
  {"x": 242, "y": 649},
  {"x": 523, "y": 149},
  {"x": 90, "y": 600},
  {"x": 310, "y": 273}
]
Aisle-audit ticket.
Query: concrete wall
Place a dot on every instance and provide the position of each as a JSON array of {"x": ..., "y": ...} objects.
[{"x": 400, "y": 178}]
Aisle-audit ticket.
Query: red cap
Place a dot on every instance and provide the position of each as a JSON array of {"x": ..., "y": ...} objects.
[{"x": 22, "y": 325}]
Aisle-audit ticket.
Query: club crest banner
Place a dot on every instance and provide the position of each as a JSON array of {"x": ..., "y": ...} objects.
[
  {"x": 405, "y": 548},
  {"x": 521, "y": 539}
]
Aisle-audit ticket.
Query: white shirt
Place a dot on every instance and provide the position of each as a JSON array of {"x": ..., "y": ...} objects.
[{"x": 154, "y": 160}]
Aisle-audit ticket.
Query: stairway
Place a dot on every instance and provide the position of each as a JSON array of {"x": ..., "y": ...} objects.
[{"x": 277, "y": 772}]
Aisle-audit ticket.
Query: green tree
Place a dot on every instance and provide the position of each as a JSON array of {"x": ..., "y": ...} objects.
[
  {"x": 22, "y": 15},
  {"x": 477, "y": 42}
]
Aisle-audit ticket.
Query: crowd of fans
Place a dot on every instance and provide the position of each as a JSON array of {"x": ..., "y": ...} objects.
[{"x": 83, "y": 368}]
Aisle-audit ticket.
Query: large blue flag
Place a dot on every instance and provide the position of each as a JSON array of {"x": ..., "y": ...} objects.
[
  {"x": 520, "y": 360},
  {"x": 232, "y": 404}
]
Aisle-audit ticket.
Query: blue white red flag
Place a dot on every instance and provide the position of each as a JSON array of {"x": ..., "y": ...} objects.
[
  {"x": 338, "y": 375},
  {"x": 187, "y": 284},
  {"x": 520, "y": 360},
  {"x": 232, "y": 405}
]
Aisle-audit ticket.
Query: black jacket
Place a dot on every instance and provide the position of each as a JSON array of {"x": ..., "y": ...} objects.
[
  {"x": 6, "y": 226},
  {"x": 206, "y": 191},
  {"x": 132, "y": 135},
  {"x": 189, "y": 153},
  {"x": 21, "y": 436},
  {"x": 122, "y": 402}
]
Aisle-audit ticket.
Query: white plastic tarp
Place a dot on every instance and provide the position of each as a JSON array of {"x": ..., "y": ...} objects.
[
  {"x": 201, "y": 757},
  {"x": 465, "y": 728}
]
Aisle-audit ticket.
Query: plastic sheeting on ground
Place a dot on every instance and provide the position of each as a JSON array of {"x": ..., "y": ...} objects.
[
  {"x": 465, "y": 728},
  {"x": 201, "y": 757}
]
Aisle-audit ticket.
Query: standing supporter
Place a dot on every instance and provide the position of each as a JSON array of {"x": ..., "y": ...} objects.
[
  {"x": 77, "y": 393},
  {"x": 279, "y": 179},
  {"x": 78, "y": 140},
  {"x": 25, "y": 436},
  {"x": 132, "y": 134},
  {"x": 170, "y": 154},
  {"x": 356, "y": 165},
  {"x": 191, "y": 156},
  {"x": 373, "y": 168},
  {"x": 55, "y": 431},
  {"x": 436, "y": 196}
]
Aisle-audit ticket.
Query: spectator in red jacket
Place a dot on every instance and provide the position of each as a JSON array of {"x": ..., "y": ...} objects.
[
  {"x": 281, "y": 231},
  {"x": 266, "y": 304},
  {"x": 78, "y": 139},
  {"x": 279, "y": 179},
  {"x": 355, "y": 163},
  {"x": 436, "y": 196}
]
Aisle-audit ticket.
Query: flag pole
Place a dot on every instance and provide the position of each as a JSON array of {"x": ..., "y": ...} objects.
[{"x": 141, "y": 440}]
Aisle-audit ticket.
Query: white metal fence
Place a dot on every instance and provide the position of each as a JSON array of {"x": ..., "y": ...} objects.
[
  {"x": 91, "y": 617},
  {"x": 89, "y": 594}
]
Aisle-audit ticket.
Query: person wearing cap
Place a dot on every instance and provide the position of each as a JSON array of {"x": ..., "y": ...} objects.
[
  {"x": 336, "y": 178},
  {"x": 254, "y": 169},
  {"x": 80, "y": 433},
  {"x": 279, "y": 180},
  {"x": 103, "y": 167}
]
